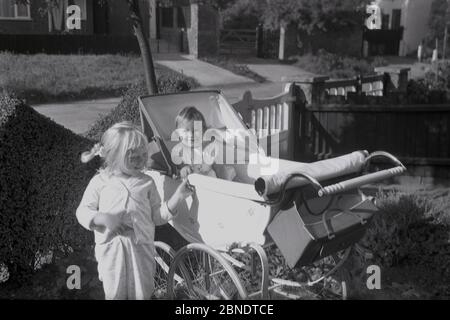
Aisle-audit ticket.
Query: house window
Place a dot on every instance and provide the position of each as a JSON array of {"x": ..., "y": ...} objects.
[
  {"x": 81, "y": 4},
  {"x": 184, "y": 17},
  {"x": 9, "y": 9},
  {"x": 167, "y": 17}
]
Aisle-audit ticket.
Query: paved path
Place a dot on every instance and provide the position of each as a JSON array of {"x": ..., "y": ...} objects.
[
  {"x": 275, "y": 72},
  {"x": 205, "y": 73},
  {"x": 78, "y": 116}
]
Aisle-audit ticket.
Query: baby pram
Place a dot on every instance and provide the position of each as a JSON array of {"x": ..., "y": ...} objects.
[{"x": 309, "y": 211}]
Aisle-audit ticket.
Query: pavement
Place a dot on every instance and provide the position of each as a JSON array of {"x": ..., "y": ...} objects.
[
  {"x": 78, "y": 116},
  {"x": 275, "y": 72},
  {"x": 205, "y": 73}
]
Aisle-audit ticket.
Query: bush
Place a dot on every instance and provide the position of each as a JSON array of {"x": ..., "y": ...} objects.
[
  {"x": 434, "y": 87},
  {"x": 128, "y": 108},
  {"x": 41, "y": 184},
  {"x": 336, "y": 66},
  {"x": 411, "y": 230}
]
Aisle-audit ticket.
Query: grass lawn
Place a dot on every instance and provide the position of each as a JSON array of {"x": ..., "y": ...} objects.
[{"x": 48, "y": 78}]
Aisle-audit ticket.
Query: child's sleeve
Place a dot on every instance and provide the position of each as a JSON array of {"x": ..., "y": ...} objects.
[
  {"x": 160, "y": 211},
  {"x": 88, "y": 207}
]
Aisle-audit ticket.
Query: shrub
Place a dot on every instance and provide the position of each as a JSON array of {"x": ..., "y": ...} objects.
[
  {"x": 411, "y": 230},
  {"x": 434, "y": 87},
  {"x": 336, "y": 66},
  {"x": 128, "y": 108},
  {"x": 41, "y": 183}
]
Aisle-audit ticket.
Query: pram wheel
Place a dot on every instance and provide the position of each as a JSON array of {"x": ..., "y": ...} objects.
[
  {"x": 164, "y": 258},
  {"x": 206, "y": 275}
]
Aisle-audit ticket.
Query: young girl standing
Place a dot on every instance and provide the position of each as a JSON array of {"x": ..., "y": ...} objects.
[{"x": 122, "y": 206}]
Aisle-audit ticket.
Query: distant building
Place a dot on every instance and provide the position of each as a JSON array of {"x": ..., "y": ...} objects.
[
  {"x": 411, "y": 16},
  {"x": 171, "y": 25}
]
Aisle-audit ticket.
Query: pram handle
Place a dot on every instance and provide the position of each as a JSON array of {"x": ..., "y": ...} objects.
[
  {"x": 313, "y": 181},
  {"x": 365, "y": 179}
]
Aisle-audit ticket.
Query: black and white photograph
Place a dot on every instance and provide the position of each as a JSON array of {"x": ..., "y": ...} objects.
[{"x": 268, "y": 151}]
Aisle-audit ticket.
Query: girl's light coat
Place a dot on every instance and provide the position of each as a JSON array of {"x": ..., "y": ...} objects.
[{"x": 126, "y": 262}]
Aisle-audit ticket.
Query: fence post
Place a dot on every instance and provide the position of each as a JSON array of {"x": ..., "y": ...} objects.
[
  {"x": 312, "y": 86},
  {"x": 398, "y": 78},
  {"x": 259, "y": 41}
]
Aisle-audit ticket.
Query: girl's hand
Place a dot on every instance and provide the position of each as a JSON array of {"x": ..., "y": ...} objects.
[
  {"x": 185, "y": 171},
  {"x": 112, "y": 222}
]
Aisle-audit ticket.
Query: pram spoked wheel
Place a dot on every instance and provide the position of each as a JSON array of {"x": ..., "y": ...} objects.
[
  {"x": 206, "y": 274},
  {"x": 164, "y": 258}
]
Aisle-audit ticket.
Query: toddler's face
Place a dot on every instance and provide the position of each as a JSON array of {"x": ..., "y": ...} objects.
[
  {"x": 188, "y": 134},
  {"x": 136, "y": 159}
]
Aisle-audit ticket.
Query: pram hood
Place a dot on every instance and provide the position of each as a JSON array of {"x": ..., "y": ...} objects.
[{"x": 158, "y": 113}]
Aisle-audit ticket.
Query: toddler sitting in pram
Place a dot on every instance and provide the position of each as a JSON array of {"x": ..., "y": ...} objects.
[{"x": 196, "y": 155}]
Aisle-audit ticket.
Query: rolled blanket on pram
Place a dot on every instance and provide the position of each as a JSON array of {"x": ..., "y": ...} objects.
[{"x": 320, "y": 170}]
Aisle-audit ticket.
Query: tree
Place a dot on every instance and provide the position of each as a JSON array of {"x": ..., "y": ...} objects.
[
  {"x": 438, "y": 19},
  {"x": 307, "y": 15},
  {"x": 135, "y": 16},
  {"x": 315, "y": 15},
  {"x": 149, "y": 68}
]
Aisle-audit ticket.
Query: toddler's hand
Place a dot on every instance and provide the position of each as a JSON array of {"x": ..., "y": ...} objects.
[
  {"x": 184, "y": 190},
  {"x": 185, "y": 171},
  {"x": 111, "y": 221}
]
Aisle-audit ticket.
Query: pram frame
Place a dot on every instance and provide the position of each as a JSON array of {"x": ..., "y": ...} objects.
[{"x": 178, "y": 269}]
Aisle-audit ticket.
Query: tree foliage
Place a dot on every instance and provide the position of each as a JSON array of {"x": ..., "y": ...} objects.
[
  {"x": 308, "y": 15},
  {"x": 438, "y": 18}
]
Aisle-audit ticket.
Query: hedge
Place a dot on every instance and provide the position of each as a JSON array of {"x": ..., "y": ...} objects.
[
  {"x": 41, "y": 184},
  {"x": 128, "y": 108}
]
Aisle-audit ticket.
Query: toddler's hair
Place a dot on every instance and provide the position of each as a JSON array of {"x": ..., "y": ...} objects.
[
  {"x": 115, "y": 143},
  {"x": 190, "y": 114}
]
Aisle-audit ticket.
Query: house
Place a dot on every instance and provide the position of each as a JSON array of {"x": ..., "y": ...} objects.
[
  {"x": 404, "y": 24},
  {"x": 171, "y": 25}
]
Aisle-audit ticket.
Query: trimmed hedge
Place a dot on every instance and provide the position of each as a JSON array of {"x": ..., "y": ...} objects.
[
  {"x": 413, "y": 230},
  {"x": 41, "y": 184},
  {"x": 128, "y": 108}
]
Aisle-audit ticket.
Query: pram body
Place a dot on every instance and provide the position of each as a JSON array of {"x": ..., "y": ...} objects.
[{"x": 310, "y": 211}]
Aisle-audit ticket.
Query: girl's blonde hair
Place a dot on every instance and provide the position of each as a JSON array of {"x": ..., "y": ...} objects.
[{"x": 115, "y": 144}]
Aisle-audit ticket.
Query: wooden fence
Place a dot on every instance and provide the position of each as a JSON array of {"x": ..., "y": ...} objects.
[
  {"x": 418, "y": 134},
  {"x": 308, "y": 129},
  {"x": 238, "y": 41}
]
